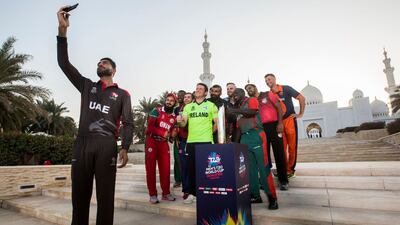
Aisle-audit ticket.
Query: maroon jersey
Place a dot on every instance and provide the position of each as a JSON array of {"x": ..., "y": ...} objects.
[
  {"x": 159, "y": 123},
  {"x": 182, "y": 131},
  {"x": 103, "y": 108}
]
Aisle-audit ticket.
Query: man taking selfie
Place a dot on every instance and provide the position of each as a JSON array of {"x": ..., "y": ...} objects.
[{"x": 103, "y": 106}]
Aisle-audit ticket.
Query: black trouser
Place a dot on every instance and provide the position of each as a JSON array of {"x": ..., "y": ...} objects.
[
  {"x": 93, "y": 156},
  {"x": 277, "y": 147},
  {"x": 191, "y": 166}
]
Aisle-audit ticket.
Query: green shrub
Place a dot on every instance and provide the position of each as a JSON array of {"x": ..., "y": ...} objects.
[
  {"x": 393, "y": 127},
  {"x": 370, "y": 126},
  {"x": 340, "y": 131},
  {"x": 14, "y": 146},
  {"x": 349, "y": 129}
]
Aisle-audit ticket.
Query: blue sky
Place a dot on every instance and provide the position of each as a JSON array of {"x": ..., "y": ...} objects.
[{"x": 335, "y": 44}]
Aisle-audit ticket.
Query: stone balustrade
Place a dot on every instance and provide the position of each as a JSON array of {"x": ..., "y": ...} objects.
[
  {"x": 364, "y": 134},
  {"x": 393, "y": 139},
  {"x": 18, "y": 181}
]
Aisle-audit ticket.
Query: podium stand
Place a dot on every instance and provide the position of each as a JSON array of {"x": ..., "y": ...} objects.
[{"x": 222, "y": 180}]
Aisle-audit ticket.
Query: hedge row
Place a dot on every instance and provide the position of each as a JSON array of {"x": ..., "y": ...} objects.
[
  {"x": 346, "y": 129},
  {"x": 370, "y": 126},
  {"x": 393, "y": 127},
  {"x": 17, "y": 148}
]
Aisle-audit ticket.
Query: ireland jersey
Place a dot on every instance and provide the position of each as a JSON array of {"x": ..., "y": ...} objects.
[{"x": 200, "y": 117}]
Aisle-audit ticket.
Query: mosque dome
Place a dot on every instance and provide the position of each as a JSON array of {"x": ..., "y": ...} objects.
[
  {"x": 358, "y": 94},
  {"x": 312, "y": 95},
  {"x": 379, "y": 108}
]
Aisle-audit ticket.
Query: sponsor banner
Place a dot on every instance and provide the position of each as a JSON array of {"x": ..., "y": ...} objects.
[{"x": 223, "y": 194}]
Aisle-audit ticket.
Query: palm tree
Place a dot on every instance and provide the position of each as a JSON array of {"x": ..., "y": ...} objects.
[
  {"x": 146, "y": 105},
  {"x": 395, "y": 101},
  {"x": 140, "y": 114},
  {"x": 51, "y": 120},
  {"x": 163, "y": 96},
  {"x": 17, "y": 96}
]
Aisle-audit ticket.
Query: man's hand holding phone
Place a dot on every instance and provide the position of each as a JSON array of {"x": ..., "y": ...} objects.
[{"x": 63, "y": 22}]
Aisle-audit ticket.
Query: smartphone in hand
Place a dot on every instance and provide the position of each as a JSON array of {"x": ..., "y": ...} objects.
[{"x": 71, "y": 7}]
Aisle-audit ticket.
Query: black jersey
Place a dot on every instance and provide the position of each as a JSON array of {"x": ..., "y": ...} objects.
[{"x": 102, "y": 108}]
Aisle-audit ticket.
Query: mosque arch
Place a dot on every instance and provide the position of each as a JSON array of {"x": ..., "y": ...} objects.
[{"x": 314, "y": 130}]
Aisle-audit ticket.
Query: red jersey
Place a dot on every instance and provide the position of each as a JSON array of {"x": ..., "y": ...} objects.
[
  {"x": 182, "y": 131},
  {"x": 159, "y": 123},
  {"x": 268, "y": 112}
]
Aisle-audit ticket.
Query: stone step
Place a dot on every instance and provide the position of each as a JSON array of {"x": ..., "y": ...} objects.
[
  {"x": 341, "y": 148},
  {"x": 332, "y": 148},
  {"x": 346, "y": 198},
  {"x": 136, "y": 177},
  {"x": 326, "y": 154},
  {"x": 348, "y": 151},
  {"x": 349, "y": 169},
  {"x": 59, "y": 211},
  {"x": 342, "y": 182},
  {"x": 347, "y": 182},
  {"x": 321, "y": 211},
  {"x": 14, "y": 218},
  {"x": 370, "y": 168},
  {"x": 355, "y": 152},
  {"x": 343, "y": 159}
]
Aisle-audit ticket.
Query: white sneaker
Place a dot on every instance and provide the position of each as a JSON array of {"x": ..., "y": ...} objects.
[
  {"x": 189, "y": 199},
  {"x": 153, "y": 199}
]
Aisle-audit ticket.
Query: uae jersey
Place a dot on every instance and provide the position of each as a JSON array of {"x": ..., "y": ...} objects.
[
  {"x": 103, "y": 107},
  {"x": 200, "y": 117}
]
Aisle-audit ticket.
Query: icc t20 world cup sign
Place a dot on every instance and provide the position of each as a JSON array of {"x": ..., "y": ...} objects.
[{"x": 223, "y": 194}]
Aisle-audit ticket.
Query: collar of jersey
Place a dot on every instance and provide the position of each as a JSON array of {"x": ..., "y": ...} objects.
[
  {"x": 103, "y": 85},
  {"x": 205, "y": 100}
]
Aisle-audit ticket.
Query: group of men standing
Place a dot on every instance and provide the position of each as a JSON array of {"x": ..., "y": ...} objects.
[{"x": 259, "y": 120}]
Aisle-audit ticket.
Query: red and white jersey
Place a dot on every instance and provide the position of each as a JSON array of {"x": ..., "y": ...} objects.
[{"x": 160, "y": 122}]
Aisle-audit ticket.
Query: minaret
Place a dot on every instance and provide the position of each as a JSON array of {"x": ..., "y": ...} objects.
[
  {"x": 391, "y": 88},
  {"x": 206, "y": 77}
]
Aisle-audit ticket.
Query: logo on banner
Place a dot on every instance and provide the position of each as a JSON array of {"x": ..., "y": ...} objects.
[
  {"x": 215, "y": 168},
  {"x": 242, "y": 166}
]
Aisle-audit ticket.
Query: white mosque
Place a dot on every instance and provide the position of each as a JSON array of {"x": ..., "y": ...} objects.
[{"x": 323, "y": 119}]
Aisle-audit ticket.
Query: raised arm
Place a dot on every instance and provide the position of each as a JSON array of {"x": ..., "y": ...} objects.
[
  {"x": 62, "y": 52},
  {"x": 302, "y": 103}
]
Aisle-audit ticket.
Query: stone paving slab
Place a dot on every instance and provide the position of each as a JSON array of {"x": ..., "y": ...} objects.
[
  {"x": 343, "y": 182},
  {"x": 8, "y": 217},
  {"x": 357, "y": 216},
  {"x": 346, "y": 198},
  {"x": 371, "y": 168},
  {"x": 59, "y": 211}
]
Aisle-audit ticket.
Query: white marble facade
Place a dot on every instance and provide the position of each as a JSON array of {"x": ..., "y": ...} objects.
[
  {"x": 327, "y": 117},
  {"x": 323, "y": 119}
]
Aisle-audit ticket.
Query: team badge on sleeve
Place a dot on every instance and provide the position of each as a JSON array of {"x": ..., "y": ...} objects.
[{"x": 113, "y": 96}]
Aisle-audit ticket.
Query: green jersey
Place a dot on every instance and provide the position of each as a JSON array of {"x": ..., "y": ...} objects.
[{"x": 200, "y": 117}]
